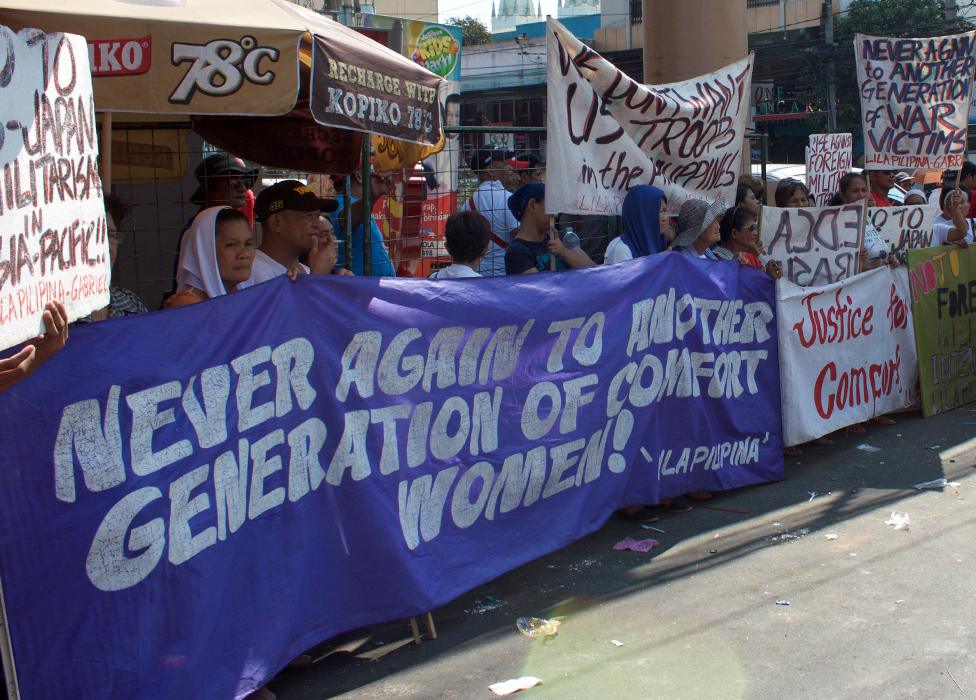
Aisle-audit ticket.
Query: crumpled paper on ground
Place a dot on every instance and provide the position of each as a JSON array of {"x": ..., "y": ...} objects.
[
  {"x": 643, "y": 546},
  {"x": 899, "y": 520},
  {"x": 514, "y": 685}
]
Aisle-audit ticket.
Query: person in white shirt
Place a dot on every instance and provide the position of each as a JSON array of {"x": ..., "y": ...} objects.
[
  {"x": 289, "y": 213},
  {"x": 491, "y": 201},
  {"x": 952, "y": 226},
  {"x": 466, "y": 237}
]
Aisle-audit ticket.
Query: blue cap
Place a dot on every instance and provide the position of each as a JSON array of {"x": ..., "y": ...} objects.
[{"x": 532, "y": 192}]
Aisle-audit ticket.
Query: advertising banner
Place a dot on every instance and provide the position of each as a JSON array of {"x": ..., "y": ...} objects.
[
  {"x": 847, "y": 353},
  {"x": 353, "y": 87},
  {"x": 195, "y": 509},
  {"x": 53, "y": 237},
  {"x": 607, "y": 133}
]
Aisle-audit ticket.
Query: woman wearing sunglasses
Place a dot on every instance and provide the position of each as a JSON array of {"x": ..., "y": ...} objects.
[{"x": 739, "y": 240}]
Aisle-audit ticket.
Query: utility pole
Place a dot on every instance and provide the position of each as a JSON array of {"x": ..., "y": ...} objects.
[{"x": 828, "y": 22}]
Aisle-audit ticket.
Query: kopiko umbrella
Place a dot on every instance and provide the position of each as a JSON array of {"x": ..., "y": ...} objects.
[{"x": 247, "y": 58}]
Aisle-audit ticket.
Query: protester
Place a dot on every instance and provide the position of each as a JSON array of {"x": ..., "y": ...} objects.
[
  {"x": 536, "y": 242},
  {"x": 527, "y": 168},
  {"x": 644, "y": 212},
  {"x": 746, "y": 198},
  {"x": 915, "y": 196},
  {"x": 967, "y": 179},
  {"x": 756, "y": 185},
  {"x": 122, "y": 302},
  {"x": 853, "y": 188},
  {"x": 791, "y": 194},
  {"x": 881, "y": 182},
  {"x": 952, "y": 226},
  {"x": 36, "y": 351},
  {"x": 224, "y": 180},
  {"x": 379, "y": 258},
  {"x": 326, "y": 234},
  {"x": 290, "y": 213},
  {"x": 739, "y": 240},
  {"x": 466, "y": 237},
  {"x": 216, "y": 256},
  {"x": 490, "y": 200},
  {"x": 697, "y": 228}
]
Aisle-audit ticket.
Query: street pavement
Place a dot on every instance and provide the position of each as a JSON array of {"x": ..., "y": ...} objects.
[{"x": 873, "y": 613}]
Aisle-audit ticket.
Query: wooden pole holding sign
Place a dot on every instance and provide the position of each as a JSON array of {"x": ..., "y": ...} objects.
[
  {"x": 864, "y": 220},
  {"x": 105, "y": 151},
  {"x": 552, "y": 231},
  {"x": 7, "y": 652}
]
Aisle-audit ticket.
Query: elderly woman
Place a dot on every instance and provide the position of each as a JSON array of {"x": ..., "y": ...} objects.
[
  {"x": 952, "y": 226},
  {"x": 645, "y": 218},
  {"x": 216, "y": 255},
  {"x": 697, "y": 228}
]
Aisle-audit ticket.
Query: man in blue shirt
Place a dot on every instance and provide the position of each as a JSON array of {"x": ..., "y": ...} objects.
[{"x": 379, "y": 258}]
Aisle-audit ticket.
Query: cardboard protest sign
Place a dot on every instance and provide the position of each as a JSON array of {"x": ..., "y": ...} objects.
[
  {"x": 53, "y": 238},
  {"x": 608, "y": 133},
  {"x": 943, "y": 286},
  {"x": 148, "y": 498},
  {"x": 915, "y": 96},
  {"x": 904, "y": 227},
  {"x": 828, "y": 159},
  {"x": 814, "y": 246},
  {"x": 847, "y": 353}
]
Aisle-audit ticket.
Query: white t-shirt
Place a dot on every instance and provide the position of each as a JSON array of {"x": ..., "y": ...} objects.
[
  {"x": 617, "y": 251},
  {"x": 940, "y": 230},
  {"x": 491, "y": 201},
  {"x": 266, "y": 268},
  {"x": 454, "y": 271}
]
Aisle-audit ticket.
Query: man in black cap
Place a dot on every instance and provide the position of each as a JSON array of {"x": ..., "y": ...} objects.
[
  {"x": 224, "y": 181},
  {"x": 289, "y": 213},
  {"x": 491, "y": 201}
]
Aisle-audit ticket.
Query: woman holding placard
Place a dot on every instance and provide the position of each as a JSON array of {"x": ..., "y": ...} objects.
[{"x": 952, "y": 226}]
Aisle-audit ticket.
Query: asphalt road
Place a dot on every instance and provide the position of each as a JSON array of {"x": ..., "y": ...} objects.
[{"x": 875, "y": 612}]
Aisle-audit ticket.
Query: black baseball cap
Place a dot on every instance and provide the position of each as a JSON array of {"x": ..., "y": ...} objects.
[
  {"x": 483, "y": 158},
  {"x": 293, "y": 195},
  {"x": 221, "y": 165}
]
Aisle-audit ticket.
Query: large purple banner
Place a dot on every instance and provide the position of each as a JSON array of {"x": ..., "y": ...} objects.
[{"x": 191, "y": 498}]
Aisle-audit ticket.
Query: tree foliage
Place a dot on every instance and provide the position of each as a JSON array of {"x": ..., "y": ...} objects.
[
  {"x": 473, "y": 30},
  {"x": 895, "y": 18}
]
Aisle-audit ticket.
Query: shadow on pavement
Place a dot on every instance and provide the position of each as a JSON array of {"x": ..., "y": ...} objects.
[{"x": 824, "y": 486}]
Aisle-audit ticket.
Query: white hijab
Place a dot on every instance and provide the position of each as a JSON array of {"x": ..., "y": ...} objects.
[{"x": 198, "y": 255}]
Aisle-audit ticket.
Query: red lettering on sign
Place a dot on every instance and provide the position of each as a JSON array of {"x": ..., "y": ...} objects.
[{"x": 119, "y": 56}]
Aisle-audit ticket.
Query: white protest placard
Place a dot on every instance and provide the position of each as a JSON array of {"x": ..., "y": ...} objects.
[
  {"x": 53, "y": 238},
  {"x": 915, "y": 96},
  {"x": 846, "y": 352},
  {"x": 828, "y": 159},
  {"x": 813, "y": 245},
  {"x": 904, "y": 227},
  {"x": 607, "y": 133}
]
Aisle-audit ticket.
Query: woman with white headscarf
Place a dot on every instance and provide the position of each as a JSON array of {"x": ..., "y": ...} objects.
[{"x": 216, "y": 255}]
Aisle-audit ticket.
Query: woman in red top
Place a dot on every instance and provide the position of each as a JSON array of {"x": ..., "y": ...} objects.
[{"x": 739, "y": 240}]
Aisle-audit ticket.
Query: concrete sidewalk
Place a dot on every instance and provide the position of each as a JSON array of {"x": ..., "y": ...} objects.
[{"x": 873, "y": 613}]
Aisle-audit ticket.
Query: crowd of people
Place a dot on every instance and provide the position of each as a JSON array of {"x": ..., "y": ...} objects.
[{"x": 502, "y": 229}]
